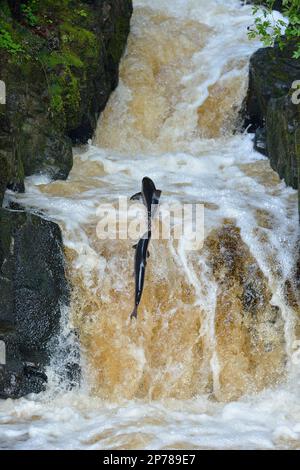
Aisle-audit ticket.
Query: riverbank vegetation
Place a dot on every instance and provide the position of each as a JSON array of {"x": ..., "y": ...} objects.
[{"x": 272, "y": 29}]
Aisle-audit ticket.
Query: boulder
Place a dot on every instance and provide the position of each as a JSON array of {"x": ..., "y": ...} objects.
[
  {"x": 33, "y": 289},
  {"x": 283, "y": 139},
  {"x": 59, "y": 61},
  {"x": 59, "y": 66},
  {"x": 272, "y": 113},
  {"x": 250, "y": 340}
]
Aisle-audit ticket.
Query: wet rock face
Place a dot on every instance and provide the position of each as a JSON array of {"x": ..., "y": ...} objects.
[
  {"x": 33, "y": 288},
  {"x": 271, "y": 112},
  {"x": 249, "y": 330},
  {"x": 56, "y": 89},
  {"x": 283, "y": 138},
  {"x": 272, "y": 73},
  {"x": 11, "y": 169}
]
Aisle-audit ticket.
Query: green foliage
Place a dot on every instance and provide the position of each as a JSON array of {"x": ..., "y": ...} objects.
[
  {"x": 8, "y": 43},
  {"x": 269, "y": 30},
  {"x": 81, "y": 13},
  {"x": 28, "y": 10},
  {"x": 29, "y": 38}
]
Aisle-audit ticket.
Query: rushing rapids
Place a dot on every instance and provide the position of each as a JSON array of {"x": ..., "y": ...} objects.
[{"x": 215, "y": 325}]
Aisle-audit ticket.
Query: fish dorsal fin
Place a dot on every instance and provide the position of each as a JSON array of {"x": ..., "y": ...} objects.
[{"x": 137, "y": 197}]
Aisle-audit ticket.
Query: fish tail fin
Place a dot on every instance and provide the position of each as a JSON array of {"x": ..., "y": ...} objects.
[{"x": 134, "y": 313}]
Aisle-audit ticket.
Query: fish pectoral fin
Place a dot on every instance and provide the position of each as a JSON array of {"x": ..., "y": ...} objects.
[
  {"x": 136, "y": 197},
  {"x": 134, "y": 246},
  {"x": 148, "y": 254},
  {"x": 156, "y": 197}
]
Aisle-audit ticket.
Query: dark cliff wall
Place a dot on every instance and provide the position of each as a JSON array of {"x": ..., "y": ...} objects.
[
  {"x": 59, "y": 60},
  {"x": 33, "y": 288},
  {"x": 273, "y": 109}
]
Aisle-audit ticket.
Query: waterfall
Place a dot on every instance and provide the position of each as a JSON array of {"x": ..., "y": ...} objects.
[{"x": 215, "y": 324}]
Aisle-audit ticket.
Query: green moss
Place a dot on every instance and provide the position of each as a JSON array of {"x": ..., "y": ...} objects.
[
  {"x": 61, "y": 69},
  {"x": 61, "y": 58},
  {"x": 79, "y": 39},
  {"x": 65, "y": 97},
  {"x": 56, "y": 56},
  {"x": 78, "y": 34},
  {"x": 64, "y": 61},
  {"x": 56, "y": 101},
  {"x": 67, "y": 71},
  {"x": 71, "y": 96}
]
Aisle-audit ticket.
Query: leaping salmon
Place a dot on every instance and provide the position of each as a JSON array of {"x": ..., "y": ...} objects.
[
  {"x": 150, "y": 196},
  {"x": 140, "y": 262}
]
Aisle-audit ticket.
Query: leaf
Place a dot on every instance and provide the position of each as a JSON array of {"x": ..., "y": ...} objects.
[{"x": 268, "y": 31}]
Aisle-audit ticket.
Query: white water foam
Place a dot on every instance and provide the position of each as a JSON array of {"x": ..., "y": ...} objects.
[{"x": 216, "y": 171}]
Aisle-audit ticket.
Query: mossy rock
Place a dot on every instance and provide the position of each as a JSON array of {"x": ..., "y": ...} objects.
[
  {"x": 33, "y": 288},
  {"x": 271, "y": 75},
  {"x": 60, "y": 63},
  {"x": 11, "y": 166},
  {"x": 60, "y": 68},
  {"x": 283, "y": 138},
  {"x": 270, "y": 111}
]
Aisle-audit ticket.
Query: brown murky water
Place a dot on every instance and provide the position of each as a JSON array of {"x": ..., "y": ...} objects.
[{"x": 215, "y": 325}]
